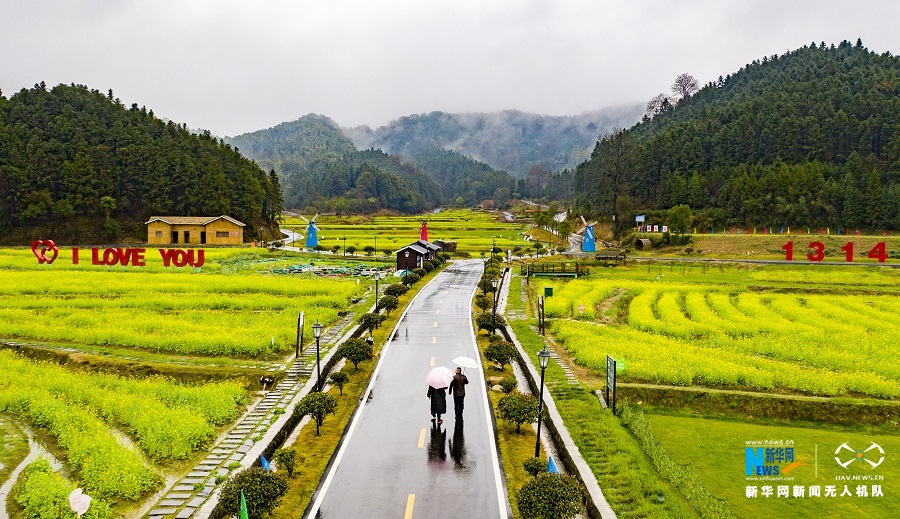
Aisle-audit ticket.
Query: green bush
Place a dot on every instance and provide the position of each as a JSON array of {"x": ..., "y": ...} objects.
[
  {"x": 490, "y": 322},
  {"x": 508, "y": 384},
  {"x": 287, "y": 459},
  {"x": 396, "y": 290},
  {"x": 411, "y": 279},
  {"x": 420, "y": 272},
  {"x": 262, "y": 491},
  {"x": 316, "y": 405},
  {"x": 484, "y": 302},
  {"x": 519, "y": 408},
  {"x": 339, "y": 378},
  {"x": 356, "y": 351},
  {"x": 501, "y": 352},
  {"x": 535, "y": 466},
  {"x": 550, "y": 495},
  {"x": 387, "y": 303}
]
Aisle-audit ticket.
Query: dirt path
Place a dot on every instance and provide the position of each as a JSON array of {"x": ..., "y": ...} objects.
[{"x": 604, "y": 306}]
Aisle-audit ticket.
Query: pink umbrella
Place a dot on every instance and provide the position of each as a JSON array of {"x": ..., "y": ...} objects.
[{"x": 439, "y": 377}]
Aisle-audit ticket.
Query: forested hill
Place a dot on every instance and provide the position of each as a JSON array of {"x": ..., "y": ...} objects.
[
  {"x": 79, "y": 167},
  {"x": 306, "y": 143},
  {"x": 808, "y": 138},
  {"x": 510, "y": 141},
  {"x": 321, "y": 170}
]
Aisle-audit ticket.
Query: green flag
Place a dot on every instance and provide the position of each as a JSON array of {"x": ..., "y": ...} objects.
[{"x": 243, "y": 513}]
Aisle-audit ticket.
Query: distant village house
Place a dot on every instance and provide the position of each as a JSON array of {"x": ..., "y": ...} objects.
[{"x": 194, "y": 230}]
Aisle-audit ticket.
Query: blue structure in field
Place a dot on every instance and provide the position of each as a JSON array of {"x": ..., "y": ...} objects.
[
  {"x": 588, "y": 244},
  {"x": 312, "y": 232}
]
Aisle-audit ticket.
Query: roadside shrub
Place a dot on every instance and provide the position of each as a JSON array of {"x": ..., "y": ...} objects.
[
  {"x": 370, "y": 321},
  {"x": 396, "y": 290},
  {"x": 483, "y": 302},
  {"x": 501, "y": 352},
  {"x": 287, "y": 459},
  {"x": 518, "y": 408},
  {"x": 550, "y": 495},
  {"x": 411, "y": 279},
  {"x": 427, "y": 266},
  {"x": 356, "y": 351},
  {"x": 339, "y": 378},
  {"x": 488, "y": 321},
  {"x": 262, "y": 490},
  {"x": 387, "y": 303},
  {"x": 420, "y": 272},
  {"x": 535, "y": 466},
  {"x": 508, "y": 384},
  {"x": 316, "y": 405}
]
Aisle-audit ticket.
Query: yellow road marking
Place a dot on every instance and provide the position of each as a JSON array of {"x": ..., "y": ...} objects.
[
  {"x": 432, "y": 361},
  {"x": 435, "y": 324},
  {"x": 410, "y": 501},
  {"x": 422, "y": 438},
  {"x": 437, "y": 312},
  {"x": 434, "y": 340},
  {"x": 442, "y": 300}
]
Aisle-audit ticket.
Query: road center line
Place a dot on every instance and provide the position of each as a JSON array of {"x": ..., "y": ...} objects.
[
  {"x": 434, "y": 340},
  {"x": 432, "y": 362},
  {"x": 410, "y": 501},
  {"x": 422, "y": 438},
  {"x": 435, "y": 324},
  {"x": 437, "y": 312}
]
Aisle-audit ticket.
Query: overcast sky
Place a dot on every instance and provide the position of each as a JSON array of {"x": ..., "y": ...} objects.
[{"x": 236, "y": 66}]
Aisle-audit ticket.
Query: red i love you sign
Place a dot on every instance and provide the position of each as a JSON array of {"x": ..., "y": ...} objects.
[{"x": 46, "y": 251}]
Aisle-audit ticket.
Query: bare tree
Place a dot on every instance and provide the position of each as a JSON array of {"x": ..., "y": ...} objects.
[
  {"x": 685, "y": 86},
  {"x": 615, "y": 157},
  {"x": 659, "y": 104}
]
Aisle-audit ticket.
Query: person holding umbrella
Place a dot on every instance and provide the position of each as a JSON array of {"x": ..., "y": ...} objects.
[
  {"x": 458, "y": 390},
  {"x": 438, "y": 379}
]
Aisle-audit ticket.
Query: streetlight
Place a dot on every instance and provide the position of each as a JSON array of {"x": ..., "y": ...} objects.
[
  {"x": 317, "y": 332},
  {"x": 405, "y": 266},
  {"x": 345, "y": 245},
  {"x": 494, "y": 282},
  {"x": 377, "y": 277},
  {"x": 543, "y": 359}
]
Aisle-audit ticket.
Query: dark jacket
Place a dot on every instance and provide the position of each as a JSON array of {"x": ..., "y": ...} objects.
[
  {"x": 438, "y": 400},
  {"x": 458, "y": 385}
]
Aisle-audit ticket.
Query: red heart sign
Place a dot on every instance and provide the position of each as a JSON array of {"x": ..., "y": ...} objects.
[{"x": 45, "y": 247}]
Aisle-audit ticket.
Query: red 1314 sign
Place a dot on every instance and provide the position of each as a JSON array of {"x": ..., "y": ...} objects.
[{"x": 817, "y": 251}]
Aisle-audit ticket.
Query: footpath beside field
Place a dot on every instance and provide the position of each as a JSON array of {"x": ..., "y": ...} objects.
[{"x": 194, "y": 495}]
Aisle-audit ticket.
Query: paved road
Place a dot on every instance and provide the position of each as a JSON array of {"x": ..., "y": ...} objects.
[{"x": 394, "y": 463}]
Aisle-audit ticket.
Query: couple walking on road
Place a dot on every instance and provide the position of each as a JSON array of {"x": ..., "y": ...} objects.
[{"x": 439, "y": 398}]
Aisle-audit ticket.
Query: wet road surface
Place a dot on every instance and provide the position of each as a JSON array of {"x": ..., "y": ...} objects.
[{"x": 395, "y": 461}]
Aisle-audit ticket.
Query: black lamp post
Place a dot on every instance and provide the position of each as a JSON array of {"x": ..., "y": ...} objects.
[
  {"x": 317, "y": 332},
  {"x": 377, "y": 277},
  {"x": 494, "y": 282},
  {"x": 345, "y": 245},
  {"x": 405, "y": 266},
  {"x": 543, "y": 359}
]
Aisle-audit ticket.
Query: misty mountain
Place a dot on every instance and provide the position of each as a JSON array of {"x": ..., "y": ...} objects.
[
  {"x": 319, "y": 167},
  {"x": 510, "y": 140}
]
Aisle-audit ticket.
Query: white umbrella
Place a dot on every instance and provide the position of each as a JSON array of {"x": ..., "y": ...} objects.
[
  {"x": 439, "y": 377},
  {"x": 466, "y": 362}
]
